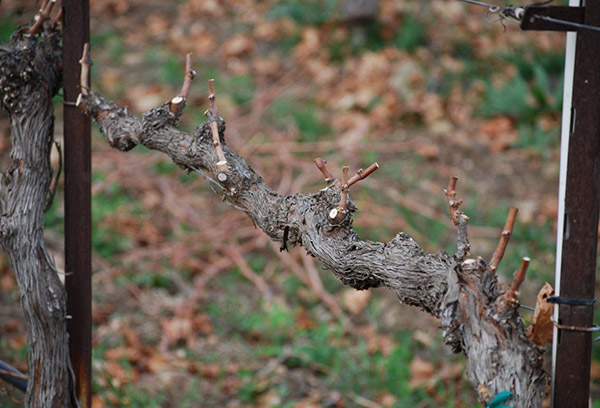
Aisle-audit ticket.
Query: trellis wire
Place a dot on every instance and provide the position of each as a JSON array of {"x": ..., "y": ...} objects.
[{"x": 516, "y": 14}]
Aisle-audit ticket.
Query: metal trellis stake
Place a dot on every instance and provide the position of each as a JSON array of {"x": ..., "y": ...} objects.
[
  {"x": 578, "y": 199},
  {"x": 78, "y": 226}
]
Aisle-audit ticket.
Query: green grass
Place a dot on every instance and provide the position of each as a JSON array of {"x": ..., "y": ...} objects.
[
  {"x": 411, "y": 34},
  {"x": 107, "y": 240},
  {"x": 54, "y": 218},
  {"x": 7, "y": 27},
  {"x": 131, "y": 397},
  {"x": 534, "y": 91},
  {"x": 342, "y": 362},
  {"x": 304, "y": 116},
  {"x": 533, "y": 136},
  {"x": 305, "y": 12},
  {"x": 171, "y": 70},
  {"x": 110, "y": 42}
]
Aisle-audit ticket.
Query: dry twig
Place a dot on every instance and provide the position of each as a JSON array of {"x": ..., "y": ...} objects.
[
  {"x": 86, "y": 64},
  {"x": 320, "y": 163},
  {"x": 44, "y": 15},
  {"x": 177, "y": 104},
  {"x": 429, "y": 281},
  {"x": 213, "y": 116},
  {"x": 236, "y": 255},
  {"x": 520, "y": 275},
  {"x": 310, "y": 277},
  {"x": 362, "y": 174},
  {"x": 339, "y": 213},
  {"x": 510, "y": 297},
  {"x": 58, "y": 18},
  {"x": 504, "y": 238},
  {"x": 463, "y": 247},
  {"x": 453, "y": 204}
]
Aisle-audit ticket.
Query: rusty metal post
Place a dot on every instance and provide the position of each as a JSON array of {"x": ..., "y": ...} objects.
[
  {"x": 571, "y": 380},
  {"x": 78, "y": 225}
]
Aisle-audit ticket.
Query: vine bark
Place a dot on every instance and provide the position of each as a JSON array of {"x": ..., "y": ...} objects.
[
  {"x": 475, "y": 316},
  {"x": 30, "y": 75}
]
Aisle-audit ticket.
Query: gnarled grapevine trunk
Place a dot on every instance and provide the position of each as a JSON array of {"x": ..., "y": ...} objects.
[
  {"x": 478, "y": 318},
  {"x": 30, "y": 75}
]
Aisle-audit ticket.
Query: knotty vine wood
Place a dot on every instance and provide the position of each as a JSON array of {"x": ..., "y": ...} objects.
[
  {"x": 30, "y": 75},
  {"x": 478, "y": 317}
]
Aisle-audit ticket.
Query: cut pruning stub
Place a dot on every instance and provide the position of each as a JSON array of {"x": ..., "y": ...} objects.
[{"x": 338, "y": 214}]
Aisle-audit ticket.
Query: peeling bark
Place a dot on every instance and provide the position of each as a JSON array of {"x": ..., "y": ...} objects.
[
  {"x": 30, "y": 75},
  {"x": 463, "y": 293}
]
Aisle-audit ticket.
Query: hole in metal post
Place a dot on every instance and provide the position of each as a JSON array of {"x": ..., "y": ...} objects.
[{"x": 573, "y": 118}]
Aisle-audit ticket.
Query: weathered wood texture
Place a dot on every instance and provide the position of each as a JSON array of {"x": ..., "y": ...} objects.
[
  {"x": 30, "y": 75},
  {"x": 463, "y": 293}
]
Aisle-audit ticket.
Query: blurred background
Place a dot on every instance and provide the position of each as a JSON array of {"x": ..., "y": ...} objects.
[{"x": 193, "y": 306}]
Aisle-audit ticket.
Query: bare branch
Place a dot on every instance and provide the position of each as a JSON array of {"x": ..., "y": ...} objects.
[
  {"x": 459, "y": 291},
  {"x": 178, "y": 103},
  {"x": 509, "y": 299},
  {"x": 58, "y": 18},
  {"x": 459, "y": 218},
  {"x": 362, "y": 174},
  {"x": 213, "y": 116},
  {"x": 453, "y": 205},
  {"x": 44, "y": 15},
  {"x": 234, "y": 252},
  {"x": 190, "y": 74},
  {"x": 340, "y": 212},
  {"x": 212, "y": 97},
  {"x": 504, "y": 238},
  {"x": 520, "y": 275},
  {"x": 320, "y": 163},
  {"x": 86, "y": 64}
]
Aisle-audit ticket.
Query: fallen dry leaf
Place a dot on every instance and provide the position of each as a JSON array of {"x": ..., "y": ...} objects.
[
  {"x": 427, "y": 150},
  {"x": 7, "y": 282},
  {"x": 304, "y": 320},
  {"x": 308, "y": 403},
  {"x": 97, "y": 402},
  {"x": 499, "y": 133},
  {"x": 118, "y": 375},
  {"x": 266, "y": 31},
  {"x": 194, "y": 37},
  {"x": 595, "y": 370},
  {"x": 270, "y": 399},
  {"x": 420, "y": 372},
  {"x": 238, "y": 45},
  {"x": 423, "y": 337},
  {"x": 310, "y": 44},
  {"x": 205, "y": 8},
  {"x": 387, "y": 400},
  {"x": 541, "y": 328},
  {"x": 450, "y": 372},
  {"x": 483, "y": 391},
  {"x": 356, "y": 300}
]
